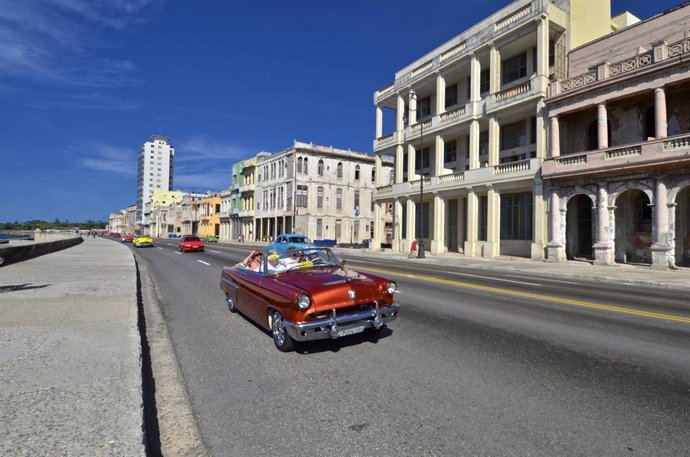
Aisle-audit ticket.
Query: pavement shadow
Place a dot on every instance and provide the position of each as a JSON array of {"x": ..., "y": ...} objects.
[{"x": 18, "y": 287}]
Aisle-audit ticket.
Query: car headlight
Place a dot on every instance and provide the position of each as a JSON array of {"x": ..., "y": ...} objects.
[
  {"x": 391, "y": 287},
  {"x": 303, "y": 302}
]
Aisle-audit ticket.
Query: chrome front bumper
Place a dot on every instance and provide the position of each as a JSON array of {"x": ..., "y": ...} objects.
[{"x": 332, "y": 327}]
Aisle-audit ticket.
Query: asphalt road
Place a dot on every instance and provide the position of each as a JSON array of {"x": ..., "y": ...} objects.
[{"x": 479, "y": 363}]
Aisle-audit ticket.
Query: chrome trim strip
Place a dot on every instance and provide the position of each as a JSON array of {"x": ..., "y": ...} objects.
[{"x": 231, "y": 283}]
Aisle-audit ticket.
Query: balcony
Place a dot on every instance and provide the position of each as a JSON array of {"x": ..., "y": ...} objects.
[
  {"x": 505, "y": 172},
  {"x": 247, "y": 188},
  {"x": 515, "y": 93},
  {"x": 640, "y": 155},
  {"x": 246, "y": 213},
  {"x": 386, "y": 141}
]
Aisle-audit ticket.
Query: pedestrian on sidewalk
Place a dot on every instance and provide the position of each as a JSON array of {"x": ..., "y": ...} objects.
[{"x": 413, "y": 249}]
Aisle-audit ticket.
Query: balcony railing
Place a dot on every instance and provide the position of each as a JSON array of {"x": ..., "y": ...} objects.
[
  {"x": 452, "y": 177},
  {"x": 384, "y": 189},
  {"x": 385, "y": 141},
  {"x": 648, "y": 153},
  {"x": 512, "y": 167}
]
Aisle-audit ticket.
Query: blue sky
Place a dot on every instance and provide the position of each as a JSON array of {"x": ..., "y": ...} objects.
[{"x": 83, "y": 84}]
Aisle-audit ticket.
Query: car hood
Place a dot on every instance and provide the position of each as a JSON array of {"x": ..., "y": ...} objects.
[{"x": 330, "y": 287}]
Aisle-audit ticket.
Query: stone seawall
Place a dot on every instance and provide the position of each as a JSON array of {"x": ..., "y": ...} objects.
[{"x": 18, "y": 250}]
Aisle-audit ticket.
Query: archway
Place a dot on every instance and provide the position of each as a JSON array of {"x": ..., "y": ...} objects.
[
  {"x": 683, "y": 228},
  {"x": 633, "y": 227},
  {"x": 578, "y": 228}
]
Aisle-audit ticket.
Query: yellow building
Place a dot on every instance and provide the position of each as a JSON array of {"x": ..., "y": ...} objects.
[
  {"x": 209, "y": 209},
  {"x": 160, "y": 218}
]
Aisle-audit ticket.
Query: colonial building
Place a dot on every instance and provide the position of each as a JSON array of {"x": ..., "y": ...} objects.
[
  {"x": 468, "y": 134},
  {"x": 618, "y": 176},
  {"x": 321, "y": 191},
  {"x": 240, "y": 201},
  {"x": 160, "y": 219},
  {"x": 209, "y": 220}
]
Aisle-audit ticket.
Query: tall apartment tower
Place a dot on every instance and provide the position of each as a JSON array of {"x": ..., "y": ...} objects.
[{"x": 154, "y": 171}]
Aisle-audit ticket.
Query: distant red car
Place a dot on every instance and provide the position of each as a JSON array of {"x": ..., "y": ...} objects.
[
  {"x": 127, "y": 238},
  {"x": 191, "y": 243},
  {"x": 307, "y": 295}
]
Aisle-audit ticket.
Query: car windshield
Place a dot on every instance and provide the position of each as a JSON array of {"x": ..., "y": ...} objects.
[
  {"x": 294, "y": 259},
  {"x": 191, "y": 238},
  {"x": 299, "y": 239}
]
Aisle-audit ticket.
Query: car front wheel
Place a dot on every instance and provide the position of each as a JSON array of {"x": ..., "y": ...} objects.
[
  {"x": 232, "y": 306},
  {"x": 280, "y": 337}
]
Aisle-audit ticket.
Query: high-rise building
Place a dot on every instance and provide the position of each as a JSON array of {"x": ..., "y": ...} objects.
[{"x": 154, "y": 171}]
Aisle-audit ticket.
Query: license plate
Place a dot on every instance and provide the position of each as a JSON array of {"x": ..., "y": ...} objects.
[{"x": 351, "y": 331}]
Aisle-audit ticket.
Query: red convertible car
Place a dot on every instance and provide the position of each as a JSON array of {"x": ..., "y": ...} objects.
[
  {"x": 191, "y": 243},
  {"x": 308, "y": 294}
]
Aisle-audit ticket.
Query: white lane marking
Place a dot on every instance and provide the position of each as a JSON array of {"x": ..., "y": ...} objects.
[
  {"x": 158, "y": 247},
  {"x": 217, "y": 252},
  {"x": 205, "y": 263},
  {"x": 493, "y": 279},
  {"x": 549, "y": 280},
  {"x": 178, "y": 253}
]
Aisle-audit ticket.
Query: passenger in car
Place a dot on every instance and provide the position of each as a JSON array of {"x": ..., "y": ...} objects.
[{"x": 253, "y": 261}]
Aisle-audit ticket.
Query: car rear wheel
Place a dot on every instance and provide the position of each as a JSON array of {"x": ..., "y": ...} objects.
[
  {"x": 280, "y": 337},
  {"x": 232, "y": 306}
]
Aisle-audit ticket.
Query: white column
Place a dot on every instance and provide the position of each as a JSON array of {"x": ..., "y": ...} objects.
[
  {"x": 378, "y": 169},
  {"x": 439, "y": 225},
  {"x": 472, "y": 232},
  {"x": 439, "y": 156},
  {"x": 494, "y": 69},
  {"x": 603, "y": 249},
  {"x": 440, "y": 94},
  {"x": 412, "y": 109},
  {"x": 493, "y": 229},
  {"x": 475, "y": 79},
  {"x": 602, "y": 126},
  {"x": 399, "y": 113},
  {"x": 542, "y": 52},
  {"x": 539, "y": 221},
  {"x": 661, "y": 126},
  {"x": 660, "y": 234},
  {"x": 378, "y": 226},
  {"x": 399, "y": 157},
  {"x": 494, "y": 138},
  {"x": 411, "y": 157},
  {"x": 541, "y": 130},
  {"x": 474, "y": 145},
  {"x": 411, "y": 223},
  {"x": 379, "y": 122},
  {"x": 555, "y": 249},
  {"x": 397, "y": 226},
  {"x": 555, "y": 138}
]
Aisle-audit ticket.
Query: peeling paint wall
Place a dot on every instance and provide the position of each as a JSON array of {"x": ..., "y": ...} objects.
[{"x": 678, "y": 111}]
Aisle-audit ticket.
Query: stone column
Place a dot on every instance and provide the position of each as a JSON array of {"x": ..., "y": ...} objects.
[
  {"x": 494, "y": 69},
  {"x": 397, "y": 226},
  {"x": 439, "y": 225},
  {"x": 555, "y": 138},
  {"x": 378, "y": 227},
  {"x": 539, "y": 221},
  {"x": 555, "y": 248},
  {"x": 475, "y": 78},
  {"x": 439, "y": 156},
  {"x": 399, "y": 113},
  {"x": 492, "y": 247},
  {"x": 603, "y": 252},
  {"x": 494, "y": 139},
  {"x": 661, "y": 125},
  {"x": 602, "y": 126},
  {"x": 440, "y": 94},
  {"x": 412, "y": 109},
  {"x": 541, "y": 130},
  {"x": 411, "y": 158},
  {"x": 542, "y": 53},
  {"x": 472, "y": 221},
  {"x": 379, "y": 122},
  {"x": 474, "y": 144},
  {"x": 411, "y": 224},
  {"x": 399, "y": 157},
  {"x": 378, "y": 169},
  {"x": 660, "y": 233}
]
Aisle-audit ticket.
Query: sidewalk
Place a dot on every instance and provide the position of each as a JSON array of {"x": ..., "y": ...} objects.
[{"x": 70, "y": 370}]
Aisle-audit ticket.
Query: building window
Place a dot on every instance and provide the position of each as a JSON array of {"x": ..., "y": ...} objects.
[
  {"x": 280, "y": 197},
  {"x": 532, "y": 130},
  {"x": 302, "y": 196},
  {"x": 450, "y": 151},
  {"x": 423, "y": 107},
  {"x": 513, "y": 135},
  {"x": 319, "y": 197},
  {"x": 319, "y": 228},
  {"x": 356, "y": 199},
  {"x": 340, "y": 169},
  {"x": 320, "y": 168},
  {"x": 373, "y": 175},
  {"x": 299, "y": 165},
  {"x": 484, "y": 81},
  {"x": 339, "y": 199},
  {"x": 516, "y": 216},
  {"x": 514, "y": 68},
  {"x": 305, "y": 168},
  {"x": 337, "y": 229},
  {"x": 357, "y": 173},
  {"x": 452, "y": 95},
  {"x": 483, "y": 218},
  {"x": 423, "y": 156}
]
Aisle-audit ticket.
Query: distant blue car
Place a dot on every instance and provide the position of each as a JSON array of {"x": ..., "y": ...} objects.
[{"x": 290, "y": 241}]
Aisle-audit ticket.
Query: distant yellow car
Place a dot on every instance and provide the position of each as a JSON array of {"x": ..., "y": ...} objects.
[{"x": 142, "y": 241}]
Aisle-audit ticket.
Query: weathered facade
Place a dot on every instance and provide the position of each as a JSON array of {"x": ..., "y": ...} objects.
[
  {"x": 618, "y": 175},
  {"x": 469, "y": 133}
]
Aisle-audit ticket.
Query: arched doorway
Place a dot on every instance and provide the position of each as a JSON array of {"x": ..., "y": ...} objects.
[
  {"x": 683, "y": 228},
  {"x": 578, "y": 228},
  {"x": 633, "y": 227}
]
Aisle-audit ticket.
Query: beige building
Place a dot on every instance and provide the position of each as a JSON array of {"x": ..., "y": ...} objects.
[
  {"x": 618, "y": 176},
  {"x": 320, "y": 191},
  {"x": 160, "y": 219},
  {"x": 468, "y": 130}
]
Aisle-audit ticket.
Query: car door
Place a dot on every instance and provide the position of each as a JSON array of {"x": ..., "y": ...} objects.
[{"x": 248, "y": 292}]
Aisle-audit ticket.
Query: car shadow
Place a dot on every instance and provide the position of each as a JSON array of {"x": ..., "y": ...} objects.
[{"x": 18, "y": 287}]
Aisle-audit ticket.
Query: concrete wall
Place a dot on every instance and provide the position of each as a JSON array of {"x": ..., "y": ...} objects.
[{"x": 16, "y": 251}]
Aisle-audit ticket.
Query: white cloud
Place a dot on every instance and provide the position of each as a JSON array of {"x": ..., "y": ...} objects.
[
  {"x": 201, "y": 148},
  {"x": 110, "y": 159},
  {"x": 213, "y": 181}
]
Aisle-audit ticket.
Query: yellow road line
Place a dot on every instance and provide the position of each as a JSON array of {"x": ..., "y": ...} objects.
[{"x": 498, "y": 290}]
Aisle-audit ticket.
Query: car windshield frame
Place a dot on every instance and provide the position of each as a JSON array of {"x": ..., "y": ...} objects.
[{"x": 298, "y": 259}]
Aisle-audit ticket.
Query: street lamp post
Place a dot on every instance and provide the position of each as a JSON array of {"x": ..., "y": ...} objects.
[{"x": 420, "y": 251}]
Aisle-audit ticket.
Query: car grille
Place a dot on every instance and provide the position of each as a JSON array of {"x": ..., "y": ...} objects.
[{"x": 344, "y": 311}]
